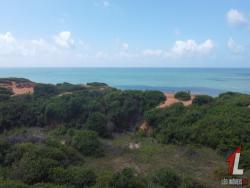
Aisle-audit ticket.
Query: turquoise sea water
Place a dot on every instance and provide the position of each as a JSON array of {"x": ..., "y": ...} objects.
[{"x": 198, "y": 80}]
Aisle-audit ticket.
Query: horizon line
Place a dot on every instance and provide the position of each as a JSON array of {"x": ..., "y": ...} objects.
[{"x": 131, "y": 67}]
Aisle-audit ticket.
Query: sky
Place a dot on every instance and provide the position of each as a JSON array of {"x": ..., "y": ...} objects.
[{"x": 124, "y": 33}]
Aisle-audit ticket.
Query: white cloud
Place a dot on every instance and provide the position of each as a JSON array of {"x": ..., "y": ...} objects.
[
  {"x": 152, "y": 52},
  {"x": 12, "y": 47},
  {"x": 190, "y": 48},
  {"x": 64, "y": 39},
  {"x": 106, "y": 3},
  {"x": 7, "y": 38},
  {"x": 7, "y": 44},
  {"x": 124, "y": 46},
  {"x": 101, "y": 55},
  {"x": 41, "y": 52},
  {"x": 234, "y": 47},
  {"x": 42, "y": 47},
  {"x": 58, "y": 51},
  {"x": 235, "y": 17}
]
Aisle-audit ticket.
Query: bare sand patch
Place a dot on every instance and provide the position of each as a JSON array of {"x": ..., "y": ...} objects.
[
  {"x": 19, "y": 88},
  {"x": 170, "y": 100}
]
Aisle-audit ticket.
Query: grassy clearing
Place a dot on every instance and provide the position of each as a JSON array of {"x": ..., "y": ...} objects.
[{"x": 201, "y": 163}]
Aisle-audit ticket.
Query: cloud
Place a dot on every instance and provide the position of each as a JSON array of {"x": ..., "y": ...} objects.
[
  {"x": 106, "y": 3},
  {"x": 64, "y": 39},
  {"x": 234, "y": 47},
  {"x": 124, "y": 46},
  {"x": 61, "y": 49},
  {"x": 13, "y": 47},
  {"x": 152, "y": 53},
  {"x": 7, "y": 38},
  {"x": 235, "y": 17},
  {"x": 101, "y": 55},
  {"x": 7, "y": 44},
  {"x": 190, "y": 48}
]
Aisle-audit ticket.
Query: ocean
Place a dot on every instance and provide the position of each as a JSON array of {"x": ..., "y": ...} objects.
[{"x": 210, "y": 81}]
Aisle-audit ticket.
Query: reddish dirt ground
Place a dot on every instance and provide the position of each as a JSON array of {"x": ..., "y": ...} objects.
[
  {"x": 20, "y": 89},
  {"x": 170, "y": 99}
]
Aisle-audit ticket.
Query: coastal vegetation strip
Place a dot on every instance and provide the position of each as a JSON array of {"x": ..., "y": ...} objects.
[{"x": 68, "y": 135}]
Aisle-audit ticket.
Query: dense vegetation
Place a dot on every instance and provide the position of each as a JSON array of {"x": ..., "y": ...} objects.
[
  {"x": 5, "y": 93},
  {"x": 202, "y": 99},
  {"x": 48, "y": 138},
  {"x": 222, "y": 123},
  {"x": 96, "y": 109},
  {"x": 13, "y": 79},
  {"x": 182, "y": 95}
]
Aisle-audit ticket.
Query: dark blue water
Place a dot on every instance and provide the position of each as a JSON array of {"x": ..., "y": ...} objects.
[{"x": 198, "y": 80}]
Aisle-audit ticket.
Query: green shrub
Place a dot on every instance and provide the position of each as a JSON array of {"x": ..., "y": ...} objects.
[
  {"x": 4, "y": 148},
  {"x": 223, "y": 125},
  {"x": 21, "y": 110},
  {"x": 127, "y": 178},
  {"x": 60, "y": 176},
  {"x": 166, "y": 178},
  {"x": 227, "y": 95},
  {"x": 191, "y": 183},
  {"x": 13, "y": 79},
  {"x": 245, "y": 159},
  {"x": 17, "y": 151},
  {"x": 5, "y": 91},
  {"x": 65, "y": 109},
  {"x": 61, "y": 154},
  {"x": 126, "y": 108},
  {"x": 88, "y": 143},
  {"x": 182, "y": 95},
  {"x": 48, "y": 185},
  {"x": 6, "y": 183},
  {"x": 82, "y": 177},
  {"x": 202, "y": 99},
  {"x": 4, "y": 97},
  {"x": 104, "y": 179},
  {"x": 153, "y": 99},
  {"x": 97, "y": 84},
  {"x": 42, "y": 90},
  {"x": 77, "y": 177},
  {"x": 67, "y": 87},
  {"x": 32, "y": 170},
  {"x": 98, "y": 122}
]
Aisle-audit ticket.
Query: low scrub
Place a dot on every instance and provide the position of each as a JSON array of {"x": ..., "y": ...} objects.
[{"x": 182, "y": 95}]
